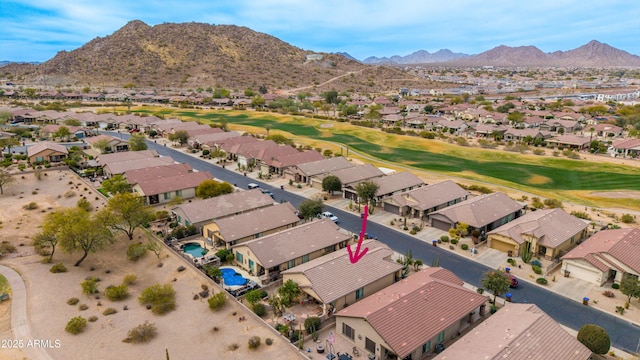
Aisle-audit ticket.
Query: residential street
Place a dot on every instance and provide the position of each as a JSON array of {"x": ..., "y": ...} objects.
[{"x": 624, "y": 335}]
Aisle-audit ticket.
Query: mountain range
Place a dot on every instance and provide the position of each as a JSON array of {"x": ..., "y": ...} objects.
[
  {"x": 591, "y": 55},
  {"x": 191, "y": 55}
]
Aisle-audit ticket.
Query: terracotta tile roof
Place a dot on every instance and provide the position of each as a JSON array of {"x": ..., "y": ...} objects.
[
  {"x": 396, "y": 182},
  {"x": 278, "y": 248},
  {"x": 105, "y": 159},
  {"x": 328, "y": 274},
  {"x": 121, "y": 167},
  {"x": 414, "y": 310},
  {"x": 257, "y": 221},
  {"x": 45, "y": 145},
  {"x": 480, "y": 210},
  {"x": 517, "y": 332},
  {"x": 357, "y": 173},
  {"x": 224, "y": 205},
  {"x": 324, "y": 166},
  {"x": 551, "y": 227},
  {"x": 166, "y": 184},
  {"x": 570, "y": 139},
  {"x": 282, "y": 161},
  {"x": 626, "y": 143},
  {"x": 621, "y": 244},
  {"x": 431, "y": 196},
  {"x": 214, "y": 138},
  {"x": 155, "y": 172}
]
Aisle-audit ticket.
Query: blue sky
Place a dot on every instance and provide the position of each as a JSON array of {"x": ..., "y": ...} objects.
[{"x": 35, "y": 30}]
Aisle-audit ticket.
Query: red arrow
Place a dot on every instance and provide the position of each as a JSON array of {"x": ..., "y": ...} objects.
[{"x": 354, "y": 257}]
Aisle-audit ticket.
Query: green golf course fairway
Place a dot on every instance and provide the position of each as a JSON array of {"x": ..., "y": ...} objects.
[{"x": 547, "y": 176}]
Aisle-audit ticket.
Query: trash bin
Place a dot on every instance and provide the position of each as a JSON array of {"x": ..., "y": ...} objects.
[
  {"x": 507, "y": 270},
  {"x": 435, "y": 243},
  {"x": 585, "y": 301},
  {"x": 508, "y": 297}
]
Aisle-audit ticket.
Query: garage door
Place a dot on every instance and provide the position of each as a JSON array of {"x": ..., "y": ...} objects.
[
  {"x": 582, "y": 273},
  {"x": 442, "y": 225},
  {"x": 394, "y": 209},
  {"x": 503, "y": 246}
]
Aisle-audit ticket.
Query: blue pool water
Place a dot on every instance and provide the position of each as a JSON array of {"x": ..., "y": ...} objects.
[
  {"x": 194, "y": 249},
  {"x": 232, "y": 278}
]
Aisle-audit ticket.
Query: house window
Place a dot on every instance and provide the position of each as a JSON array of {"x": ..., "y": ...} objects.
[
  {"x": 239, "y": 257},
  {"x": 359, "y": 293},
  {"x": 426, "y": 347},
  {"x": 251, "y": 265},
  {"x": 348, "y": 331},
  {"x": 178, "y": 192},
  {"x": 440, "y": 337},
  {"x": 370, "y": 345},
  {"x": 291, "y": 263},
  {"x": 305, "y": 258},
  {"x": 167, "y": 196}
]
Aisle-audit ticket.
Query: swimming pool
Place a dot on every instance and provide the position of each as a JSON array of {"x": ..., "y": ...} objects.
[
  {"x": 194, "y": 249},
  {"x": 232, "y": 278}
]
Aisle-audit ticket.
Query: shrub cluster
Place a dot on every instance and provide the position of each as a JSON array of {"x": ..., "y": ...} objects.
[
  {"x": 142, "y": 333},
  {"x": 160, "y": 298},
  {"x": 217, "y": 301},
  {"x": 116, "y": 293},
  {"x": 76, "y": 325},
  {"x": 58, "y": 268},
  {"x": 254, "y": 342}
]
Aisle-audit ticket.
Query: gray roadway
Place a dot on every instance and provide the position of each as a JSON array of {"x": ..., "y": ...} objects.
[{"x": 624, "y": 335}]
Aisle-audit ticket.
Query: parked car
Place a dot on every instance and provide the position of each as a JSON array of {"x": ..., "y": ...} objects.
[
  {"x": 329, "y": 215},
  {"x": 268, "y": 192},
  {"x": 514, "y": 281},
  {"x": 252, "y": 186}
]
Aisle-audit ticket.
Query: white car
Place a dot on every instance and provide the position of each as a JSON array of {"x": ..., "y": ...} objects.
[{"x": 328, "y": 215}]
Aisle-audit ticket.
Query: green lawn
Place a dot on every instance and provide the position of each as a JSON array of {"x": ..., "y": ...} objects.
[
  {"x": 552, "y": 176},
  {"x": 4, "y": 285}
]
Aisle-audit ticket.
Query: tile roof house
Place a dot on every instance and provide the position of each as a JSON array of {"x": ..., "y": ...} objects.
[
  {"x": 278, "y": 164},
  {"x": 304, "y": 173},
  {"x": 627, "y": 147},
  {"x": 121, "y": 167},
  {"x": 409, "y": 318},
  {"x": 46, "y": 152},
  {"x": 236, "y": 229},
  {"x": 420, "y": 202},
  {"x": 517, "y": 332},
  {"x": 608, "y": 255},
  {"x": 570, "y": 141},
  {"x": 484, "y": 213},
  {"x": 387, "y": 185},
  {"x": 549, "y": 233},
  {"x": 268, "y": 256},
  {"x": 113, "y": 144},
  {"x": 105, "y": 159},
  {"x": 201, "y": 212},
  {"x": 325, "y": 279},
  {"x": 356, "y": 174},
  {"x": 156, "y": 172},
  {"x": 163, "y": 189}
]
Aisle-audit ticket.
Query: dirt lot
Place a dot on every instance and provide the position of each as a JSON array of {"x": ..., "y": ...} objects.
[{"x": 185, "y": 333}]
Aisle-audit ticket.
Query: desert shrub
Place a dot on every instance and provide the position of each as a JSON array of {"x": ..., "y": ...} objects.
[
  {"x": 536, "y": 263},
  {"x": 31, "y": 206},
  {"x": 73, "y": 301},
  {"x": 581, "y": 215},
  {"x": 538, "y": 152},
  {"x": 109, "y": 311},
  {"x": 608, "y": 293},
  {"x": 282, "y": 329},
  {"x": 233, "y": 347},
  {"x": 58, "y": 268},
  {"x": 76, "y": 325},
  {"x": 295, "y": 336},
  {"x": 312, "y": 323},
  {"x": 90, "y": 286},
  {"x": 83, "y": 307},
  {"x": 627, "y": 219},
  {"x": 464, "y": 247},
  {"x": 454, "y": 241},
  {"x": 444, "y": 238},
  {"x": 217, "y": 301},
  {"x": 511, "y": 261},
  {"x": 268, "y": 341},
  {"x": 162, "y": 214},
  {"x": 552, "y": 203},
  {"x": 615, "y": 286},
  {"x": 254, "y": 342},
  {"x": 93, "y": 318},
  {"x": 6, "y": 247},
  {"x": 130, "y": 279},
  {"x": 542, "y": 281},
  {"x": 161, "y": 298},
  {"x": 142, "y": 333},
  {"x": 536, "y": 269},
  {"x": 84, "y": 204},
  {"x": 116, "y": 293},
  {"x": 136, "y": 251},
  {"x": 254, "y": 296},
  {"x": 595, "y": 338},
  {"x": 413, "y": 232},
  {"x": 259, "y": 309}
]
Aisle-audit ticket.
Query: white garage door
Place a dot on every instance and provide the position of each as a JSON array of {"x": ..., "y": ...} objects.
[{"x": 582, "y": 273}]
